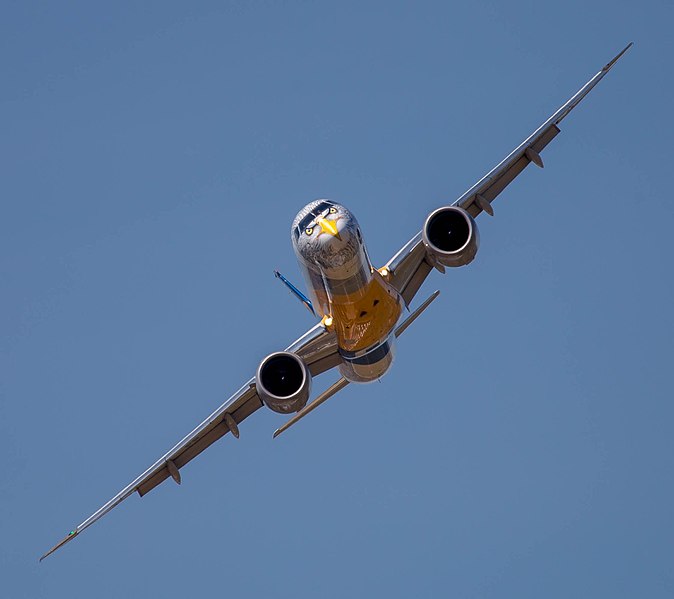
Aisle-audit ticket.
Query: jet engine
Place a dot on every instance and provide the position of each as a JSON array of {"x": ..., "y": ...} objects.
[
  {"x": 283, "y": 382},
  {"x": 450, "y": 236}
]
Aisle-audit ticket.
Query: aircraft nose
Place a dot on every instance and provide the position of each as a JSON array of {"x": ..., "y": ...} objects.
[
  {"x": 334, "y": 234},
  {"x": 330, "y": 227}
]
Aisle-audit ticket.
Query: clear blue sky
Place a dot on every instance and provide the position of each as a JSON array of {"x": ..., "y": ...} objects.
[{"x": 153, "y": 156}]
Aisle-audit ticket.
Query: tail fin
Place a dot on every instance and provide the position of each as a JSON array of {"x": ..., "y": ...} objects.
[{"x": 296, "y": 292}]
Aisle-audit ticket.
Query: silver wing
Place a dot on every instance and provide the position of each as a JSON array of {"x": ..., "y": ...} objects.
[
  {"x": 409, "y": 267},
  {"x": 317, "y": 347}
]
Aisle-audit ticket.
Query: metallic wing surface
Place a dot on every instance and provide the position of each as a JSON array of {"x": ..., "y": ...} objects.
[
  {"x": 316, "y": 347},
  {"x": 410, "y": 266}
]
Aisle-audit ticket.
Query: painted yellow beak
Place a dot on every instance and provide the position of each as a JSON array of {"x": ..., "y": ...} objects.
[{"x": 328, "y": 226}]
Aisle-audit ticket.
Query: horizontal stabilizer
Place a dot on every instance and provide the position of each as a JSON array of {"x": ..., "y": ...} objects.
[{"x": 342, "y": 382}]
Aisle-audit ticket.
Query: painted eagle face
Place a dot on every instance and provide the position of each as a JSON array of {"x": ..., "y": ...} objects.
[{"x": 325, "y": 233}]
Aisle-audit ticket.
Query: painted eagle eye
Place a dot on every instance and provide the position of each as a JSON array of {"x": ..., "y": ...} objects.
[
  {"x": 309, "y": 230},
  {"x": 333, "y": 210}
]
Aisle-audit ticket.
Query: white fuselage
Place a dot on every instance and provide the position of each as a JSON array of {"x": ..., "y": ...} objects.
[{"x": 352, "y": 297}]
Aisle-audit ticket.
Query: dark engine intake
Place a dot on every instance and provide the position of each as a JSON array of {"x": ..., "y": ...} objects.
[
  {"x": 450, "y": 236},
  {"x": 283, "y": 382}
]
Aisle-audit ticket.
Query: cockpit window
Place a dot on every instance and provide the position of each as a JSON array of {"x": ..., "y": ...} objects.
[{"x": 309, "y": 218}]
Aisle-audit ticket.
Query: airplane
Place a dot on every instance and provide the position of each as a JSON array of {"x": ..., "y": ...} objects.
[{"x": 360, "y": 307}]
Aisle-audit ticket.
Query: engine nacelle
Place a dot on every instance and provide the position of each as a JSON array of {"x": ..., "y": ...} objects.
[
  {"x": 283, "y": 382},
  {"x": 450, "y": 236}
]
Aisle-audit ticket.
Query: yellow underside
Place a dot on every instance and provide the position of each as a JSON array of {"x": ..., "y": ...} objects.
[{"x": 366, "y": 317}]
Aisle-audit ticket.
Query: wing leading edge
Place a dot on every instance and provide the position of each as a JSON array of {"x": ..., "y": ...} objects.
[
  {"x": 317, "y": 347},
  {"x": 409, "y": 268}
]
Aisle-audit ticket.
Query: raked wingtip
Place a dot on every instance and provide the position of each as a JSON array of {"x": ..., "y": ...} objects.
[
  {"x": 610, "y": 64},
  {"x": 71, "y": 535}
]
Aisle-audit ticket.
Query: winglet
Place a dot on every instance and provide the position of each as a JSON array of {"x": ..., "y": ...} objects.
[
  {"x": 610, "y": 64},
  {"x": 71, "y": 535}
]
